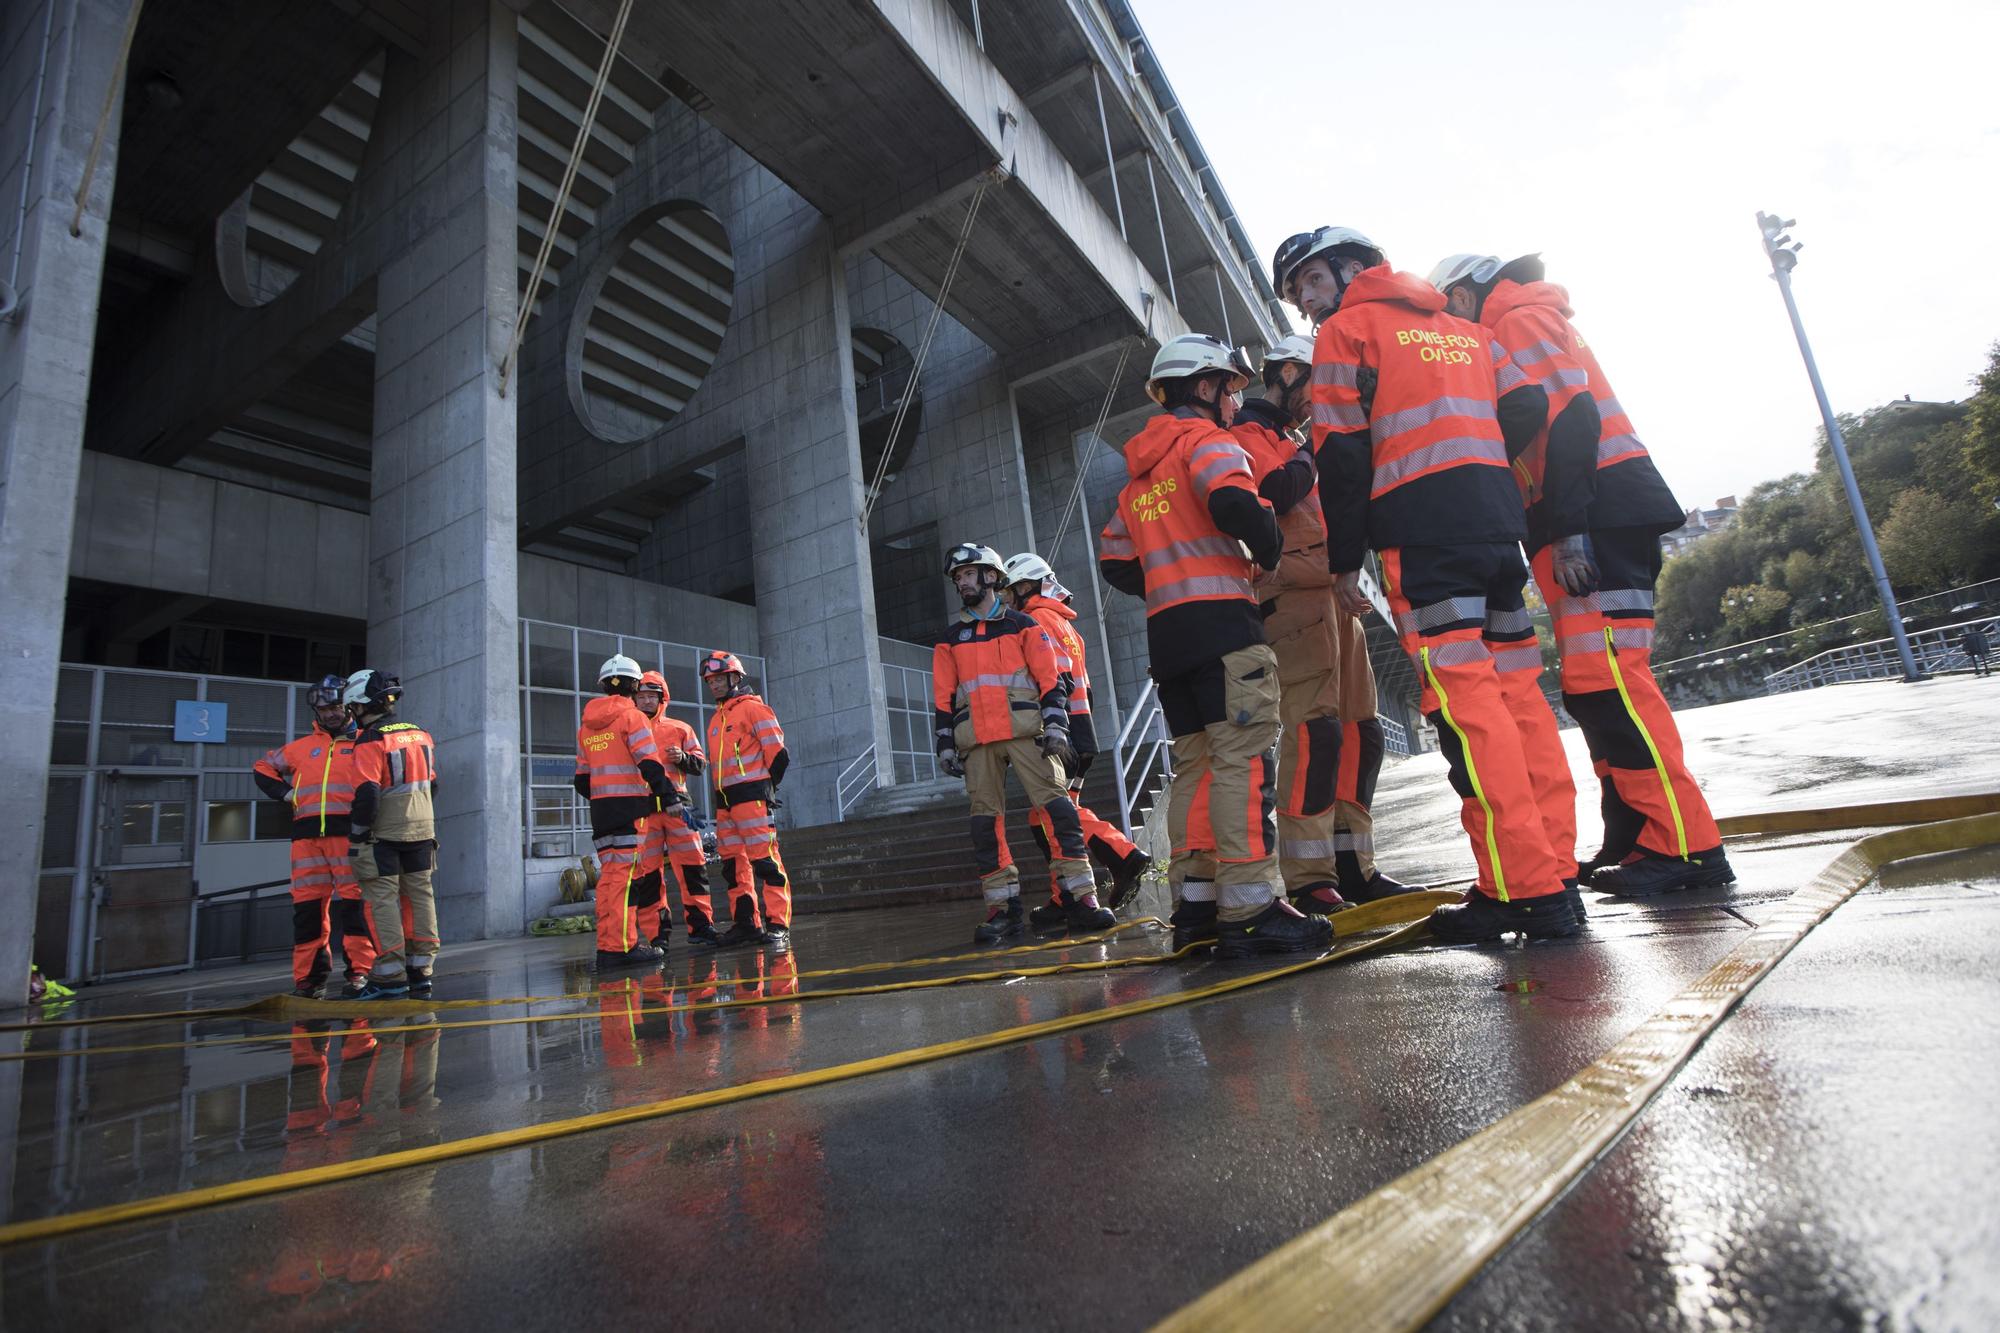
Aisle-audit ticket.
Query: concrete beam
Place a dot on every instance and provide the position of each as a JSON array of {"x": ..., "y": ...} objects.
[
  {"x": 1071, "y": 348},
  {"x": 1074, "y": 77},
  {"x": 1093, "y": 179},
  {"x": 880, "y": 221}
]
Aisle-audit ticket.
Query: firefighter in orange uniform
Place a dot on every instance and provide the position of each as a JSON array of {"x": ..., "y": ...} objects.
[
  {"x": 1032, "y": 588},
  {"x": 618, "y": 770},
  {"x": 392, "y": 840},
  {"x": 1002, "y": 701},
  {"x": 1596, "y": 509},
  {"x": 668, "y": 839},
  {"x": 314, "y": 776},
  {"x": 747, "y": 761},
  {"x": 1178, "y": 539},
  {"x": 1414, "y": 417}
]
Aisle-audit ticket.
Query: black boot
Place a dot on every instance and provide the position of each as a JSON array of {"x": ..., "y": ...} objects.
[
  {"x": 1320, "y": 899},
  {"x": 1192, "y": 922},
  {"x": 1085, "y": 917},
  {"x": 1481, "y": 919},
  {"x": 1652, "y": 873},
  {"x": 1051, "y": 915},
  {"x": 420, "y": 981},
  {"x": 701, "y": 934},
  {"x": 639, "y": 955},
  {"x": 1573, "y": 894},
  {"x": 742, "y": 930},
  {"x": 312, "y": 988},
  {"x": 778, "y": 935},
  {"x": 1003, "y": 922},
  {"x": 1374, "y": 888},
  {"x": 1126, "y": 875},
  {"x": 1279, "y": 928}
]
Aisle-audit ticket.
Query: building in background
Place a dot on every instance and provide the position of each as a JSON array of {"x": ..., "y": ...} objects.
[
  {"x": 256, "y": 427},
  {"x": 1700, "y": 523}
]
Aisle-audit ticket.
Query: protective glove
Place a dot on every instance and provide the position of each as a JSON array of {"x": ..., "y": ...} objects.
[
  {"x": 952, "y": 765},
  {"x": 1055, "y": 745},
  {"x": 1347, "y": 593},
  {"x": 1575, "y": 564}
]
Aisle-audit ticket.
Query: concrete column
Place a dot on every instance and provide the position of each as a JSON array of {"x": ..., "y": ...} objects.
[
  {"x": 443, "y": 586},
  {"x": 45, "y": 351},
  {"x": 815, "y": 593}
]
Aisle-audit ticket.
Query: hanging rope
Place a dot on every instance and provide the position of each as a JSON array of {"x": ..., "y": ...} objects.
[
  {"x": 881, "y": 473},
  {"x": 562, "y": 193},
  {"x": 1075, "y": 501},
  {"x": 104, "y": 117}
]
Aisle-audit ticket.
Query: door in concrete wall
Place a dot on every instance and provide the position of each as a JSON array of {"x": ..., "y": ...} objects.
[{"x": 142, "y": 873}]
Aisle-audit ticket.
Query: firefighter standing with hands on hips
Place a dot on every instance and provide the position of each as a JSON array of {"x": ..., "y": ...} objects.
[{"x": 747, "y": 761}]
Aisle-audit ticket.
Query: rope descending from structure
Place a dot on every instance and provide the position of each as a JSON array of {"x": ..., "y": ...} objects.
[
  {"x": 116, "y": 82},
  {"x": 1075, "y": 501},
  {"x": 881, "y": 473},
  {"x": 561, "y": 205}
]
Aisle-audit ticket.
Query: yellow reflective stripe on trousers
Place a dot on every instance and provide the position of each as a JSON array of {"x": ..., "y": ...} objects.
[
  {"x": 1472, "y": 776},
  {"x": 325, "y": 780},
  {"x": 1659, "y": 764}
]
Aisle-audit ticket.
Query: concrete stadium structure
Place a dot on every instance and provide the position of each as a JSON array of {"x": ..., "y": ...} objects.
[{"x": 257, "y": 419}]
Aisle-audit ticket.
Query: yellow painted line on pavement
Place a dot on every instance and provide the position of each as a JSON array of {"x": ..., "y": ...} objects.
[
  {"x": 256, "y": 1187},
  {"x": 1393, "y": 1259}
]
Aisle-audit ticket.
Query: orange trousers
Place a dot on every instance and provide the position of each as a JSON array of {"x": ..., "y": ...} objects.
[
  {"x": 617, "y": 870},
  {"x": 746, "y": 839},
  {"x": 670, "y": 848},
  {"x": 1606, "y": 640},
  {"x": 326, "y": 900},
  {"x": 1450, "y": 605},
  {"x": 1105, "y": 841}
]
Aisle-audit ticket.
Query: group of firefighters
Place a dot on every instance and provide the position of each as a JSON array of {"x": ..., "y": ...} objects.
[{"x": 1445, "y": 423}]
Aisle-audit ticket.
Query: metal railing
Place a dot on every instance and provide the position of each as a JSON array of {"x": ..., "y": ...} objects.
[
  {"x": 1395, "y": 740},
  {"x": 860, "y": 777},
  {"x": 1936, "y": 650},
  {"x": 1143, "y": 748}
]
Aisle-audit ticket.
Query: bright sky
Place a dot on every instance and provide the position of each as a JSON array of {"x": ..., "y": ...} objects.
[{"x": 1633, "y": 146}]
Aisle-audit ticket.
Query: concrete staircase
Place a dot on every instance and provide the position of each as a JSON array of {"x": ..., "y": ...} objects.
[{"x": 911, "y": 844}]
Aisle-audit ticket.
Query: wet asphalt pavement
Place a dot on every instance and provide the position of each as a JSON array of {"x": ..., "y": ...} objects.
[{"x": 1827, "y": 1160}]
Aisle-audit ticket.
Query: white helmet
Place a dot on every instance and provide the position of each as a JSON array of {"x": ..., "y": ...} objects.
[
  {"x": 1293, "y": 347},
  {"x": 618, "y": 667},
  {"x": 1028, "y": 567},
  {"x": 1484, "y": 270},
  {"x": 1296, "y": 250},
  {"x": 972, "y": 553},
  {"x": 1196, "y": 354}
]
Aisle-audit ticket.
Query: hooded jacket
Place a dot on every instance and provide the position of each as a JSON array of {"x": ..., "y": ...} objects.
[
  {"x": 315, "y": 775},
  {"x": 1058, "y": 619},
  {"x": 1416, "y": 415},
  {"x": 1287, "y": 478},
  {"x": 1585, "y": 469},
  {"x": 1178, "y": 539},
  {"x": 618, "y": 765}
]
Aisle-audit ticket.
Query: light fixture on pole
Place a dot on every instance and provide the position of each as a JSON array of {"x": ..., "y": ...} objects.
[{"x": 1784, "y": 253}]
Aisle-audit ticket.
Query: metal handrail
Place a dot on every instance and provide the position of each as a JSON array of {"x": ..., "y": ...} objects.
[
  {"x": 861, "y": 776},
  {"x": 1877, "y": 659},
  {"x": 1395, "y": 740},
  {"x": 1152, "y": 746}
]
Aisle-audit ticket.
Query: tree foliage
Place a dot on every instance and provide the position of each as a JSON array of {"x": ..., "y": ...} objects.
[{"x": 1929, "y": 474}]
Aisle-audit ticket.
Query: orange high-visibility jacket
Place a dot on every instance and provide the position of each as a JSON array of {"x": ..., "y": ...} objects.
[
  {"x": 1289, "y": 482},
  {"x": 669, "y": 730},
  {"x": 1058, "y": 619},
  {"x": 317, "y": 771},
  {"x": 617, "y": 763},
  {"x": 1585, "y": 469},
  {"x": 1178, "y": 539},
  {"x": 745, "y": 746},
  {"x": 995, "y": 680},
  {"x": 1415, "y": 418},
  {"x": 395, "y": 769}
]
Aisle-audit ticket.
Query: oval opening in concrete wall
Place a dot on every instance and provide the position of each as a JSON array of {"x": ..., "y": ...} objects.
[{"x": 651, "y": 329}]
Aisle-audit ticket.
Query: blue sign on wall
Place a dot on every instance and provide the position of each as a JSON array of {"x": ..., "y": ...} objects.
[{"x": 201, "y": 722}]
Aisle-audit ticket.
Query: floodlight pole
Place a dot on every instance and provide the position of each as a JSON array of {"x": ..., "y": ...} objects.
[{"x": 1784, "y": 258}]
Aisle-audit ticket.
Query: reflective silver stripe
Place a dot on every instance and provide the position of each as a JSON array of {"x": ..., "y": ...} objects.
[
  {"x": 1566, "y": 607},
  {"x": 766, "y": 729},
  {"x": 1528, "y": 657},
  {"x": 1115, "y": 548},
  {"x": 276, "y": 759},
  {"x": 1508, "y": 622},
  {"x": 1609, "y": 407},
  {"x": 1617, "y": 446},
  {"x": 1540, "y": 350},
  {"x": 1016, "y": 680},
  {"x": 1209, "y": 586},
  {"x": 1305, "y": 849},
  {"x": 614, "y": 770},
  {"x": 644, "y": 748},
  {"x": 1397, "y": 471},
  {"x": 615, "y": 840},
  {"x": 1456, "y": 610},
  {"x": 1459, "y": 654},
  {"x": 404, "y": 788},
  {"x": 1336, "y": 372},
  {"x": 1395, "y": 423},
  {"x": 1564, "y": 379},
  {"x": 1226, "y": 457},
  {"x": 1509, "y": 377},
  {"x": 1635, "y": 637},
  {"x": 1196, "y": 549},
  {"x": 1625, "y": 599},
  {"x": 1342, "y": 416},
  {"x": 1353, "y": 842},
  {"x": 395, "y": 768}
]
